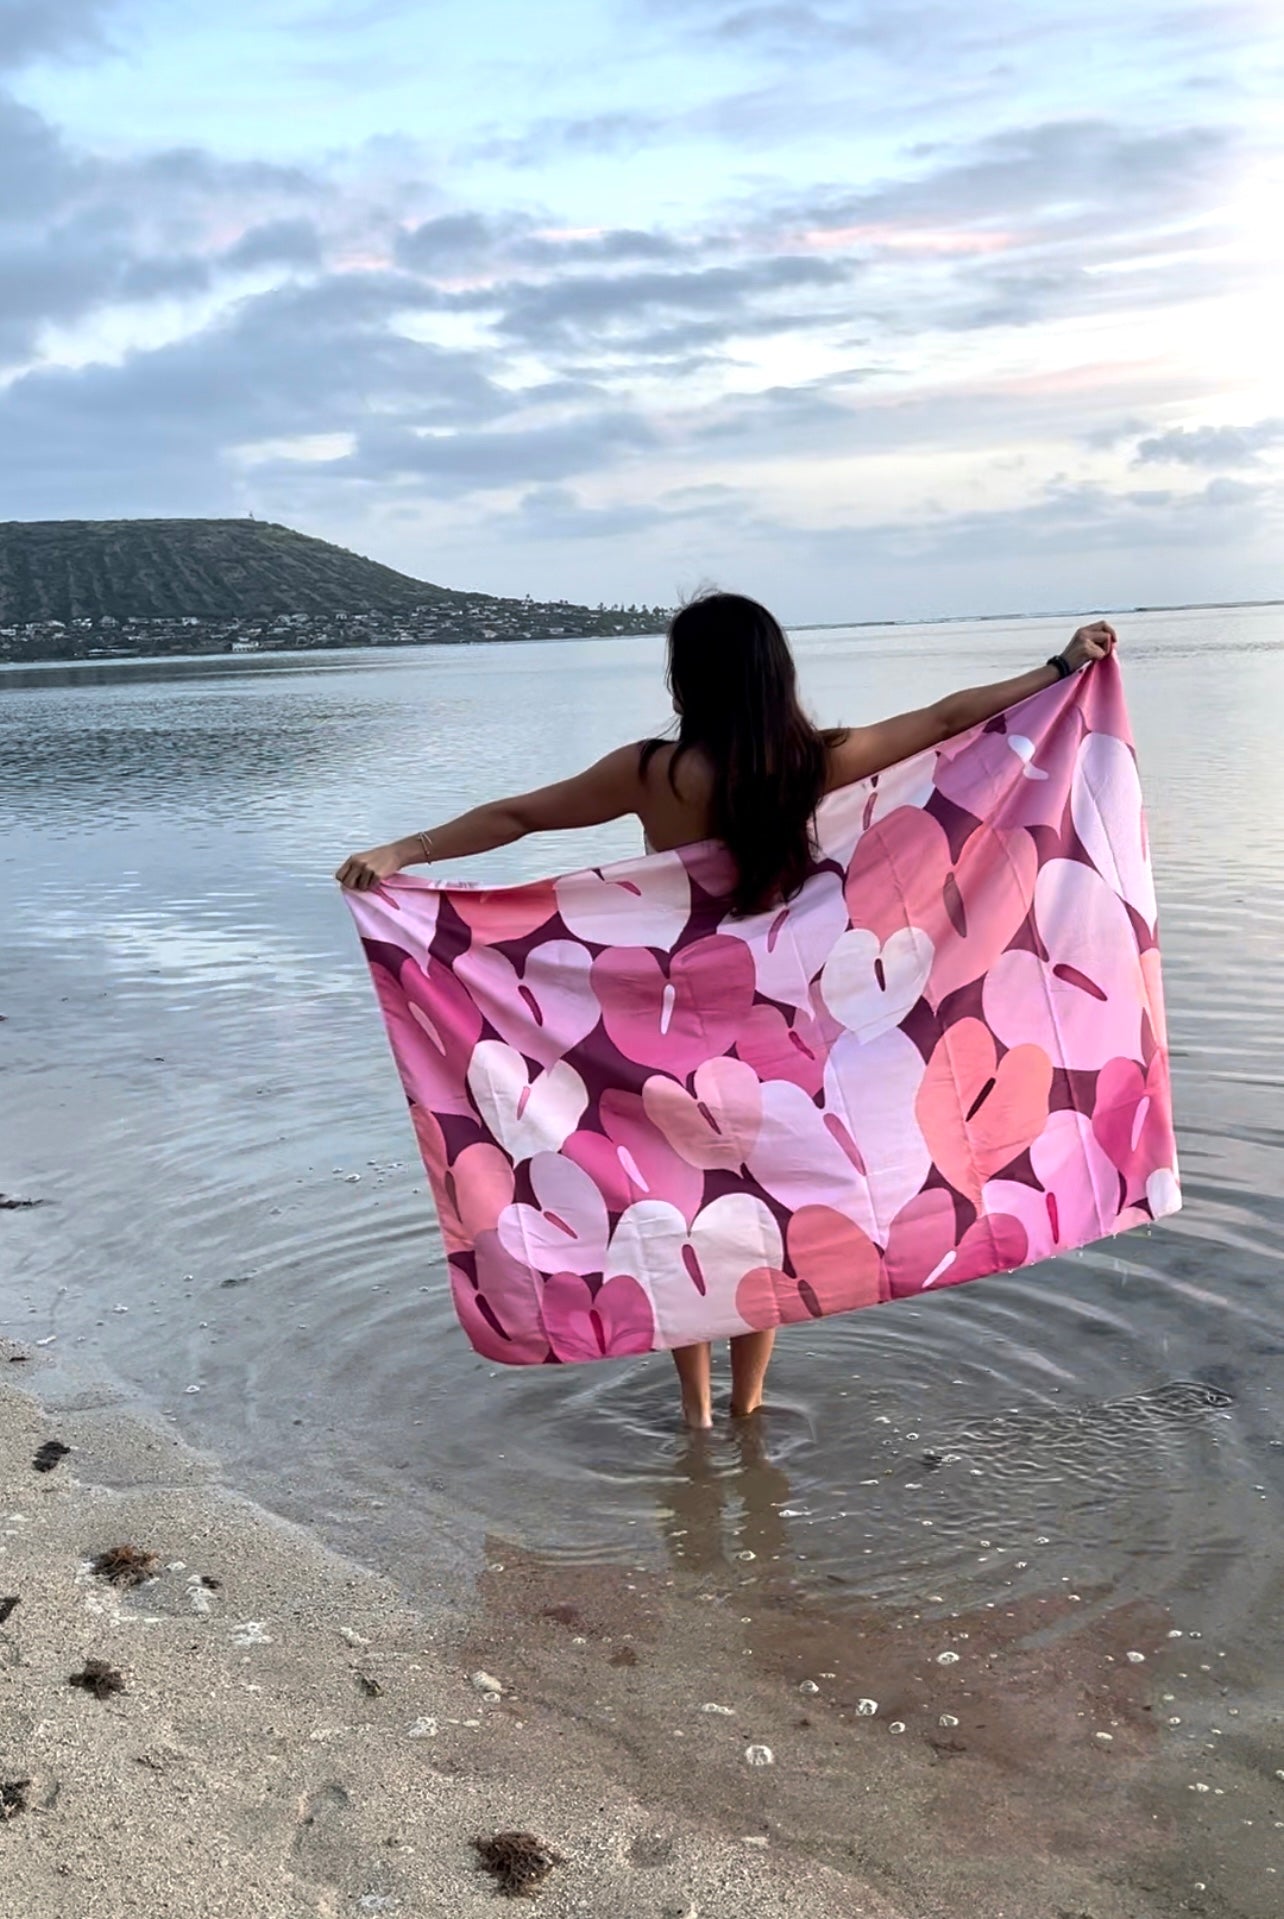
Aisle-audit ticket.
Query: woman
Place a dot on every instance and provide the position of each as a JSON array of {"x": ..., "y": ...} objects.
[{"x": 747, "y": 767}]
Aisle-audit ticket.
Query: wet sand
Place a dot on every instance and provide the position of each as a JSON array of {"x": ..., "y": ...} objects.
[{"x": 293, "y": 1739}]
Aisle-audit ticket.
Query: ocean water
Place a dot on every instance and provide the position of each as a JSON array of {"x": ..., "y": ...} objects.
[{"x": 235, "y": 1228}]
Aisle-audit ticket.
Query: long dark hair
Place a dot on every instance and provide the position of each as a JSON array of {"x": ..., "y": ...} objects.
[{"x": 735, "y": 692}]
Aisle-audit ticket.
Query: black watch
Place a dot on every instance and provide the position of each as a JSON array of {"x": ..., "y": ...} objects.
[{"x": 1062, "y": 665}]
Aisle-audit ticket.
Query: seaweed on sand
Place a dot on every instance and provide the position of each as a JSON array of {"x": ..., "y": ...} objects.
[{"x": 518, "y": 1862}]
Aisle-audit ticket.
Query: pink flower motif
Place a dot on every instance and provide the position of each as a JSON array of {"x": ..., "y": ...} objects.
[
  {"x": 965, "y": 911},
  {"x": 401, "y": 911},
  {"x": 1083, "y": 1004},
  {"x": 871, "y": 1100},
  {"x": 790, "y": 943},
  {"x": 566, "y": 1230},
  {"x": 631, "y": 1159},
  {"x": 981, "y": 903},
  {"x": 896, "y": 874},
  {"x": 676, "y": 1016},
  {"x": 546, "y": 1009},
  {"x": 1013, "y": 778},
  {"x": 433, "y": 1026},
  {"x": 716, "y": 1128},
  {"x": 504, "y": 912},
  {"x": 864, "y": 1155},
  {"x": 1080, "y": 1198},
  {"x": 872, "y": 986},
  {"x": 849, "y": 812},
  {"x": 780, "y": 1048},
  {"x": 924, "y": 1250},
  {"x": 501, "y": 1313},
  {"x": 646, "y": 901},
  {"x": 472, "y": 1193},
  {"x": 691, "y": 1276},
  {"x": 1132, "y": 1120},
  {"x": 1105, "y": 805},
  {"x": 1152, "y": 976},
  {"x": 979, "y": 1113},
  {"x": 526, "y": 1116},
  {"x": 610, "y": 1323},
  {"x": 836, "y": 1268}
]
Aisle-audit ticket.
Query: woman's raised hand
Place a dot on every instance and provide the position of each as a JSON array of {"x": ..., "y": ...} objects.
[
  {"x": 361, "y": 871},
  {"x": 1091, "y": 643}
]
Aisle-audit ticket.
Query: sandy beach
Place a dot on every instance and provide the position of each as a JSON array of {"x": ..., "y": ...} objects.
[{"x": 292, "y": 1739}]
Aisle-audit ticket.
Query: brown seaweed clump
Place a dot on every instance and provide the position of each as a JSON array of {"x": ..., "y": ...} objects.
[
  {"x": 518, "y": 1862},
  {"x": 126, "y": 1565},
  {"x": 98, "y": 1678},
  {"x": 49, "y": 1454},
  {"x": 13, "y": 1797}
]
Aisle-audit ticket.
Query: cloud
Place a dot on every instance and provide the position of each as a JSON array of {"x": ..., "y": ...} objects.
[
  {"x": 298, "y": 362},
  {"x": 1044, "y": 181},
  {"x": 275, "y": 243},
  {"x": 1210, "y": 446},
  {"x": 496, "y": 458},
  {"x": 1065, "y": 519},
  {"x": 35, "y": 29},
  {"x": 576, "y": 136},
  {"x": 589, "y": 308}
]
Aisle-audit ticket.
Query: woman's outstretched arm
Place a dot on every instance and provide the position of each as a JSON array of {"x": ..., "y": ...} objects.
[
  {"x": 602, "y": 792},
  {"x": 866, "y": 750}
]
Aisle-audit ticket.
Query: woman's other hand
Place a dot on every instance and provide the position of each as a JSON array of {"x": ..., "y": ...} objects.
[
  {"x": 361, "y": 871},
  {"x": 1091, "y": 643}
]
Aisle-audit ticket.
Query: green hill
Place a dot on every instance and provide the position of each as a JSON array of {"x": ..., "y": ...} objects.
[{"x": 203, "y": 569}]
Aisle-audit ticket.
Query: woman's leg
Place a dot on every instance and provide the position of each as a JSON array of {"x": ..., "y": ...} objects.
[
  {"x": 750, "y": 1356},
  {"x": 694, "y": 1364}
]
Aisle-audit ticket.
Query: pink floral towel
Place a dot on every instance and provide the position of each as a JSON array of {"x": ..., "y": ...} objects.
[{"x": 648, "y": 1123}]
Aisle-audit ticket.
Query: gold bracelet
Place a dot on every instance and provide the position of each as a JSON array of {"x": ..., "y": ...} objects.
[{"x": 425, "y": 846}]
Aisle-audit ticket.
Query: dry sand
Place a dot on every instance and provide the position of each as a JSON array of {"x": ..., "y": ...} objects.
[{"x": 296, "y": 1740}]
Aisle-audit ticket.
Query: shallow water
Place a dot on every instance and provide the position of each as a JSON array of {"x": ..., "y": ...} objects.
[{"x": 236, "y": 1227}]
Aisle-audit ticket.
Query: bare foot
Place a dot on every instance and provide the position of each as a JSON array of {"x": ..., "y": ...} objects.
[
  {"x": 697, "y": 1414},
  {"x": 747, "y": 1410}
]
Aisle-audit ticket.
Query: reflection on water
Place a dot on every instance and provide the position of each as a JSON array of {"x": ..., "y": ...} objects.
[{"x": 237, "y": 1225}]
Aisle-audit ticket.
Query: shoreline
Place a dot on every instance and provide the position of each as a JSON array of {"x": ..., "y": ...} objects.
[
  {"x": 546, "y": 639},
  {"x": 301, "y": 1740},
  {"x": 292, "y": 1737}
]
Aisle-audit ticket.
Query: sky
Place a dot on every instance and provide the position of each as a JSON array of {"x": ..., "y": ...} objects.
[{"x": 872, "y": 308}]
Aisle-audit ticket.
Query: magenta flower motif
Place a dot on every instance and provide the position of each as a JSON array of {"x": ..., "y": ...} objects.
[
  {"x": 925, "y": 1249},
  {"x": 1011, "y": 778},
  {"x": 472, "y": 1193},
  {"x": 543, "y": 1011},
  {"x": 631, "y": 1159},
  {"x": 501, "y": 1313},
  {"x": 795, "y": 1049},
  {"x": 433, "y": 1026},
  {"x": 1132, "y": 1120},
  {"x": 611, "y": 1323},
  {"x": 677, "y": 1016}
]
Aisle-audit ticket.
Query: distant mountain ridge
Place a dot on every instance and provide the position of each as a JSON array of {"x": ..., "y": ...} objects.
[{"x": 202, "y": 569}]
